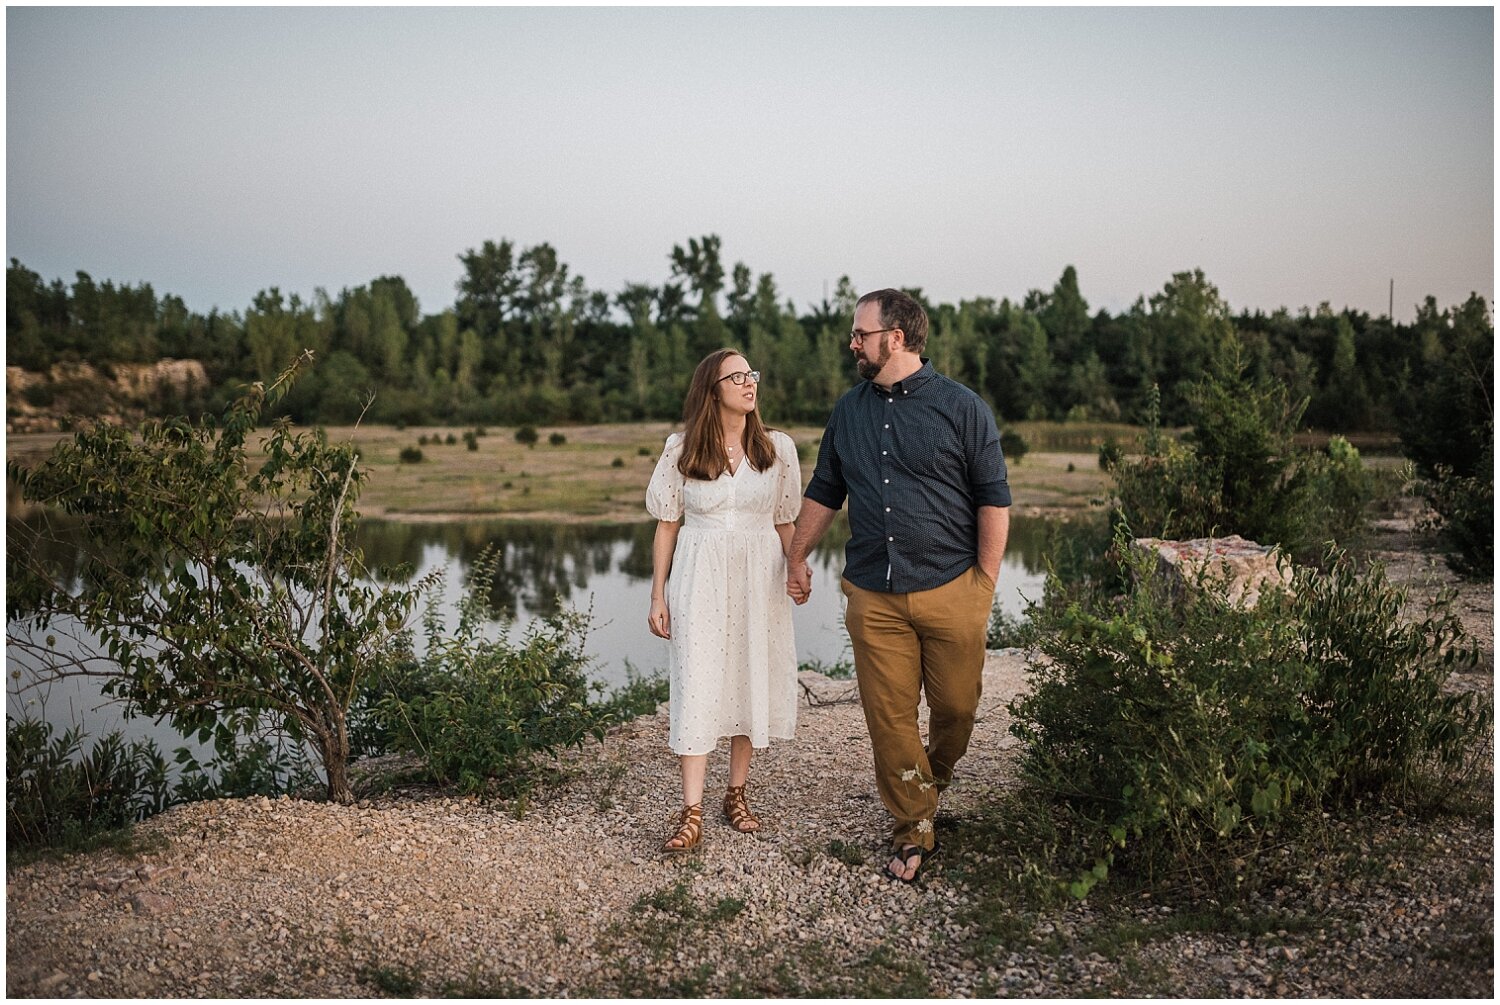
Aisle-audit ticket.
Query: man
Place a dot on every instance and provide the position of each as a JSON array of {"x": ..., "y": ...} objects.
[{"x": 918, "y": 457}]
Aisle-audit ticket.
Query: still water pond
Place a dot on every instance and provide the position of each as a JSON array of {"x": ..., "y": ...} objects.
[{"x": 545, "y": 568}]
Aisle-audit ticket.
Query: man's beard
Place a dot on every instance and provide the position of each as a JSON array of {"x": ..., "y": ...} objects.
[{"x": 869, "y": 369}]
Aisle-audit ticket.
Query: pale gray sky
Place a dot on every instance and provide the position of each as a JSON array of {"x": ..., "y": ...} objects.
[{"x": 1295, "y": 156}]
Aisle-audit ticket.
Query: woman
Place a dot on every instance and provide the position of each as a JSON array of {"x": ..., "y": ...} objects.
[{"x": 724, "y": 493}]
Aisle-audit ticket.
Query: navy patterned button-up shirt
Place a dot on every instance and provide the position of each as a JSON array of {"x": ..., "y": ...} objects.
[{"x": 915, "y": 462}]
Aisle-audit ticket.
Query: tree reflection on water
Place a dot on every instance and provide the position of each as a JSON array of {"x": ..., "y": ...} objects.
[{"x": 542, "y": 565}]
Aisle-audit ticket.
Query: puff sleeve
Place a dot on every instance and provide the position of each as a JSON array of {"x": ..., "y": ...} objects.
[
  {"x": 789, "y": 480},
  {"x": 664, "y": 492}
]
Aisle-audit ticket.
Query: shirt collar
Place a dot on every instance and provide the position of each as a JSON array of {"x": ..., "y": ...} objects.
[{"x": 910, "y": 384}]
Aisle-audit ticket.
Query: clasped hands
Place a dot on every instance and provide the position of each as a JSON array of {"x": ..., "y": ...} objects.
[{"x": 798, "y": 582}]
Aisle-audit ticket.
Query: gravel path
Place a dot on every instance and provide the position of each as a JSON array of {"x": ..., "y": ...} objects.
[{"x": 417, "y": 893}]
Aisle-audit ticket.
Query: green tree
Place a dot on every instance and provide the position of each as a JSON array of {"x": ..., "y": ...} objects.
[
  {"x": 276, "y": 330},
  {"x": 1065, "y": 317},
  {"x": 701, "y": 267},
  {"x": 1186, "y": 327},
  {"x": 1032, "y": 396},
  {"x": 1344, "y": 402},
  {"x": 221, "y": 596}
]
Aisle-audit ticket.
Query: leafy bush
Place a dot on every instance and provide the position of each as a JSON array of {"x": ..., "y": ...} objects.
[
  {"x": 526, "y": 435},
  {"x": 479, "y": 710},
  {"x": 1238, "y": 472},
  {"x": 58, "y": 793},
  {"x": 1465, "y": 508},
  {"x": 450, "y": 439},
  {"x": 411, "y": 455},
  {"x": 39, "y": 395},
  {"x": 1162, "y": 729},
  {"x": 264, "y": 766},
  {"x": 618, "y": 462},
  {"x": 637, "y": 696},
  {"x": 1013, "y": 446},
  {"x": 557, "y": 439},
  {"x": 1007, "y": 631},
  {"x": 1110, "y": 454}
]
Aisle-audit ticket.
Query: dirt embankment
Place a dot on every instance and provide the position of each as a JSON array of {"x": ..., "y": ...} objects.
[{"x": 42, "y": 402}]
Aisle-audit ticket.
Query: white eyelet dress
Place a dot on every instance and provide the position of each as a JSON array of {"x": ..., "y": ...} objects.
[{"x": 733, "y": 669}]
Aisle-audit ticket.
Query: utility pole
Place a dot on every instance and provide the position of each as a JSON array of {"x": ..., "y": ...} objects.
[{"x": 1391, "y": 310}]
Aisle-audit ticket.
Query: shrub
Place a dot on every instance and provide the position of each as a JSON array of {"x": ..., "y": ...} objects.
[
  {"x": 646, "y": 452},
  {"x": 1239, "y": 472},
  {"x": 1171, "y": 731},
  {"x": 422, "y": 440},
  {"x": 1013, "y": 446},
  {"x": 618, "y": 462},
  {"x": 637, "y": 696},
  {"x": 1465, "y": 508},
  {"x": 59, "y": 795},
  {"x": 56, "y": 793},
  {"x": 557, "y": 439},
  {"x": 1110, "y": 454},
  {"x": 480, "y": 710},
  {"x": 450, "y": 439},
  {"x": 471, "y": 442},
  {"x": 1007, "y": 631},
  {"x": 526, "y": 435},
  {"x": 411, "y": 455}
]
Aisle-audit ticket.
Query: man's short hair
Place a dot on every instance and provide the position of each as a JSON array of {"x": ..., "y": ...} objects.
[{"x": 898, "y": 310}]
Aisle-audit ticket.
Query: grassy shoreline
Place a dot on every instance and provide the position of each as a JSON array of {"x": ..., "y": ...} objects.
[{"x": 599, "y": 473}]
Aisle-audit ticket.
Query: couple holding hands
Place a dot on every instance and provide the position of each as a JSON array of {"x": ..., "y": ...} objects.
[{"x": 917, "y": 456}]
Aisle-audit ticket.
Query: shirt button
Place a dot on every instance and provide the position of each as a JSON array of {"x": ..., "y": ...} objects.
[
  {"x": 884, "y": 452},
  {"x": 887, "y": 509},
  {"x": 887, "y": 481},
  {"x": 890, "y": 539},
  {"x": 888, "y": 425}
]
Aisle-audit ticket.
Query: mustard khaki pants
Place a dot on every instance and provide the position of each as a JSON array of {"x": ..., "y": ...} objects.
[{"x": 905, "y": 643}]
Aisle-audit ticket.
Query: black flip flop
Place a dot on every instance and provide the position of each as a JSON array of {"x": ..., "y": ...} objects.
[{"x": 906, "y": 856}]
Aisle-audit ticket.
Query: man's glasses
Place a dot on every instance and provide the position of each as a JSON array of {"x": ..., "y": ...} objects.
[
  {"x": 753, "y": 376},
  {"x": 858, "y": 336}
]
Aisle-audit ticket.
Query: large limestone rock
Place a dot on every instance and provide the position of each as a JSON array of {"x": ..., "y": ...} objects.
[{"x": 1246, "y": 567}]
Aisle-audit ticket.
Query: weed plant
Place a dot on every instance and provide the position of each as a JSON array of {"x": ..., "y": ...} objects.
[{"x": 65, "y": 795}]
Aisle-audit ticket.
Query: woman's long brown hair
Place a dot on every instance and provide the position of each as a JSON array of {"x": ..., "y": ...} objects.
[{"x": 703, "y": 455}]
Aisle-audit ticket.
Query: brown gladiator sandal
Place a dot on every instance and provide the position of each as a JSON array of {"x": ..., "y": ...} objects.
[
  {"x": 689, "y": 830},
  {"x": 737, "y": 810}
]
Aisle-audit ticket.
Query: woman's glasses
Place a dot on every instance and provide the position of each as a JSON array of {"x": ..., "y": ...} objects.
[{"x": 753, "y": 376}]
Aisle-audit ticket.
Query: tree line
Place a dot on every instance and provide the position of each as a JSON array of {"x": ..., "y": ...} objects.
[{"x": 527, "y": 341}]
